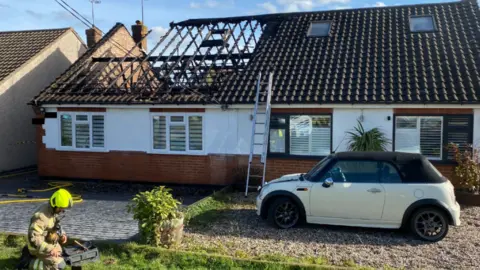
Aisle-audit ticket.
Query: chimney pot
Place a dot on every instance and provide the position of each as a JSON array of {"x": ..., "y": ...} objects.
[
  {"x": 139, "y": 31},
  {"x": 93, "y": 36}
]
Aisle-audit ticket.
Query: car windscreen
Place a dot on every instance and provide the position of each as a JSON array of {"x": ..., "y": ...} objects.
[{"x": 320, "y": 165}]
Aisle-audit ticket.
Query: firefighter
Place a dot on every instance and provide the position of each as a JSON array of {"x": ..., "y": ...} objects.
[{"x": 43, "y": 240}]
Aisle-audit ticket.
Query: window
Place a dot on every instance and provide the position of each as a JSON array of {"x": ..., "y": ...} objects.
[
  {"x": 389, "y": 174},
  {"x": 422, "y": 23},
  {"x": 177, "y": 133},
  {"x": 319, "y": 29},
  {"x": 82, "y": 130},
  {"x": 354, "y": 171},
  {"x": 430, "y": 135},
  {"x": 300, "y": 135}
]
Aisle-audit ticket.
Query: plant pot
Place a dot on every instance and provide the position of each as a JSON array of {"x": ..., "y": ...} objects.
[
  {"x": 169, "y": 233},
  {"x": 467, "y": 198}
]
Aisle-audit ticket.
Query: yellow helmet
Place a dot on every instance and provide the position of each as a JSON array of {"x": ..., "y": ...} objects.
[{"x": 61, "y": 199}]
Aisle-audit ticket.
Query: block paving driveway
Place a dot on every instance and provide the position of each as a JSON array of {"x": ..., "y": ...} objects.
[{"x": 101, "y": 216}]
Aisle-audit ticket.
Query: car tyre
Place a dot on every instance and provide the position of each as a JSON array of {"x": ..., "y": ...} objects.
[
  {"x": 283, "y": 213},
  {"x": 429, "y": 224}
]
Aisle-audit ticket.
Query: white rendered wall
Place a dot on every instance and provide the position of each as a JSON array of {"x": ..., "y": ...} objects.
[{"x": 346, "y": 119}]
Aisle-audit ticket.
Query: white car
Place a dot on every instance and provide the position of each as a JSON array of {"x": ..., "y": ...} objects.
[{"x": 365, "y": 189}]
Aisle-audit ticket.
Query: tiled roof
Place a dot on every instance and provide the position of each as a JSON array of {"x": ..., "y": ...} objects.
[
  {"x": 49, "y": 95},
  {"x": 17, "y": 47},
  {"x": 370, "y": 56}
]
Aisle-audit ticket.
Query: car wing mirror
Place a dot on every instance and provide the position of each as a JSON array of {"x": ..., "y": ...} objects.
[{"x": 327, "y": 182}]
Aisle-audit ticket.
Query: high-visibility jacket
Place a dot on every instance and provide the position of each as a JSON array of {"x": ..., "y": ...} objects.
[{"x": 41, "y": 224}]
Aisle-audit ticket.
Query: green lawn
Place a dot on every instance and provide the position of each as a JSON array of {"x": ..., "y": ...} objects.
[{"x": 134, "y": 256}]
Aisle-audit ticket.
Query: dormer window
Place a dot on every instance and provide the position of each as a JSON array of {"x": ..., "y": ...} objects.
[
  {"x": 319, "y": 29},
  {"x": 423, "y": 23}
]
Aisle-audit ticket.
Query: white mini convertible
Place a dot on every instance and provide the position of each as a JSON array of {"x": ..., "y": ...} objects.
[{"x": 365, "y": 189}]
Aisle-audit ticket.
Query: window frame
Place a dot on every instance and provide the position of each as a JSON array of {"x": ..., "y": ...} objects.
[
  {"x": 185, "y": 123},
  {"x": 90, "y": 126},
  {"x": 316, "y": 36},
  {"x": 287, "y": 136},
  {"x": 435, "y": 29},
  {"x": 445, "y": 131}
]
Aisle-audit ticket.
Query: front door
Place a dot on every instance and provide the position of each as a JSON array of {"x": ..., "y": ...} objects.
[{"x": 355, "y": 193}]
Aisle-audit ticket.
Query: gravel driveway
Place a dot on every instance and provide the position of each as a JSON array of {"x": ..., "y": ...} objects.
[{"x": 240, "y": 230}]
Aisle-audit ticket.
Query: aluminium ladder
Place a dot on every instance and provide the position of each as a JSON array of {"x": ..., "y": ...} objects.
[{"x": 260, "y": 130}]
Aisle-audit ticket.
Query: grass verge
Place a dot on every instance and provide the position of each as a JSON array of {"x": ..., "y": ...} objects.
[
  {"x": 134, "y": 256},
  {"x": 202, "y": 212}
]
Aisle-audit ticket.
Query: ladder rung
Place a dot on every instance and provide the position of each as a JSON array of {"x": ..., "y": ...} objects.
[
  {"x": 261, "y": 133},
  {"x": 258, "y": 144},
  {"x": 257, "y": 123},
  {"x": 256, "y": 176}
]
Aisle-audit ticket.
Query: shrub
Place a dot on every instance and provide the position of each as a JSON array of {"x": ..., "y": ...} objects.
[
  {"x": 158, "y": 216},
  {"x": 372, "y": 140},
  {"x": 468, "y": 168}
]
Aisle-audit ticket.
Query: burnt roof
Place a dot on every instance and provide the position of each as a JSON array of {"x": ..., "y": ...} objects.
[
  {"x": 370, "y": 56},
  {"x": 17, "y": 47}
]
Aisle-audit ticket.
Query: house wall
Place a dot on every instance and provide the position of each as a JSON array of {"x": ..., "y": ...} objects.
[
  {"x": 128, "y": 155},
  {"x": 345, "y": 120},
  {"x": 17, "y": 135}
]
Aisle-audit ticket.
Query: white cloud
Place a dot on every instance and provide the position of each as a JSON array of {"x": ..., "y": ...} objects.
[
  {"x": 380, "y": 4},
  {"x": 271, "y": 8},
  {"x": 194, "y": 5},
  {"x": 157, "y": 33},
  {"x": 327, "y": 2},
  {"x": 307, "y": 5},
  {"x": 211, "y": 3}
]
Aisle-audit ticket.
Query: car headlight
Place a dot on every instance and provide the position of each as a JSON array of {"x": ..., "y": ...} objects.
[{"x": 263, "y": 191}]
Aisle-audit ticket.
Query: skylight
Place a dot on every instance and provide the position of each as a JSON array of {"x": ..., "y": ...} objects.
[
  {"x": 422, "y": 23},
  {"x": 319, "y": 29}
]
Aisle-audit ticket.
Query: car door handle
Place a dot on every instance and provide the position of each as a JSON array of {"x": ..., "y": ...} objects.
[{"x": 374, "y": 190}]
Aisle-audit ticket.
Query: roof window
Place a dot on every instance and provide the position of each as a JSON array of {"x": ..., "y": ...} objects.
[
  {"x": 423, "y": 23},
  {"x": 319, "y": 29}
]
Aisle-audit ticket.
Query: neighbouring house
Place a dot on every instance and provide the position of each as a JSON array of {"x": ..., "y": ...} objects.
[
  {"x": 29, "y": 61},
  {"x": 182, "y": 112}
]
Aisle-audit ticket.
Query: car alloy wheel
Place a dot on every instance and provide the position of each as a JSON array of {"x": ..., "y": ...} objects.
[
  {"x": 430, "y": 224},
  {"x": 284, "y": 213}
]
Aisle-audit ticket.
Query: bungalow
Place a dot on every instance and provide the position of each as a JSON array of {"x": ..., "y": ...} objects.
[
  {"x": 29, "y": 61},
  {"x": 182, "y": 113}
]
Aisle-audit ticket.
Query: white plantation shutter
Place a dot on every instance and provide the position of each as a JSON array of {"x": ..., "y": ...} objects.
[
  {"x": 407, "y": 134},
  {"x": 177, "y": 138},
  {"x": 320, "y": 139},
  {"x": 300, "y": 132},
  {"x": 310, "y": 135},
  {"x": 98, "y": 131},
  {"x": 431, "y": 137},
  {"x": 66, "y": 130},
  {"x": 195, "y": 133},
  {"x": 82, "y": 135},
  {"x": 419, "y": 135},
  {"x": 159, "y": 132}
]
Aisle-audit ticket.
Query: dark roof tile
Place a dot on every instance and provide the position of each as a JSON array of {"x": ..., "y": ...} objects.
[{"x": 17, "y": 47}]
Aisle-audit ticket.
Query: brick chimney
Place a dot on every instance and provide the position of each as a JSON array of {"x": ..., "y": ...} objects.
[
  {"x": 138, "y": 32},
  {"x": 93, "y": 36}
]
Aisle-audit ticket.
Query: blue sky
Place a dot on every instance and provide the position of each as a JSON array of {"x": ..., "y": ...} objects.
[{"x": 38, "y": 14}]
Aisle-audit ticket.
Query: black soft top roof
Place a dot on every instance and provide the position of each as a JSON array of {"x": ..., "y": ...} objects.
[{"x": 414, "y": 168}]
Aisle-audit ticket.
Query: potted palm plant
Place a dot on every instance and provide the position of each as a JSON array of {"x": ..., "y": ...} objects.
[
  {"x": 372, "y": 140},
  {"x": 467, "y": 173},
  {"x": 160, "y": 221}
]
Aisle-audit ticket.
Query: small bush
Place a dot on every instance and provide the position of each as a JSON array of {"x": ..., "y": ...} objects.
[
  {"x": 468, "y": 168},
  {"x": 372, "y": 140},
  {"x": 158, "y": 216}
]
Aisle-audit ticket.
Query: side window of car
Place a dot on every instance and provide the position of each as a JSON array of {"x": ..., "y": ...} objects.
[
  {"x": 389, "y": 174},
  {"x": 355, "y": 171}
]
